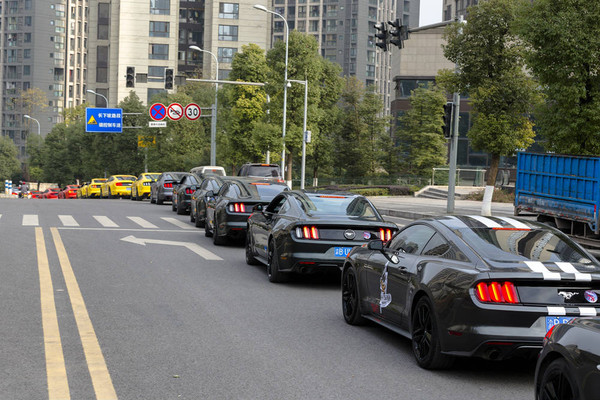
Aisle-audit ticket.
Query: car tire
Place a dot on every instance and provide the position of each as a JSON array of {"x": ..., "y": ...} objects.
[
  {"x": 180, "y": 210},
  {"x": 351, "y": 299},
  {"x": 207, "y": 232},
  {"x": 173, "y": 204},
  {"x": 110, "y": 195},
  {"x": 192, "y": 215},
  {"x": 159, "y": 201},
  {"x": 132, "y": 197},
  {"x": 217, "y": 239},
  {"x": 426, "y": 337},
  {"x": 557, "y": 382},
  {"x": 250, "y": 260},
  {"x": 152, "y": 201},
  {"x": 273, "y": 272}
]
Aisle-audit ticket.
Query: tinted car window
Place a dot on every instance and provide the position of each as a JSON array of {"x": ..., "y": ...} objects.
[
  {"x": 338, "y": 205},
  {"x": 412, "y": 239},
  {"x": 260, "y": 170},
  {"x": 270, "y": 190}
]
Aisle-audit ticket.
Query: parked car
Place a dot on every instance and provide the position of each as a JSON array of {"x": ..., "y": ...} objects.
[
  {"x": 51, "y": 193},
  {"x": 206, "y": 170},
  {"x": 117, "y": 186},
  {"x": 211, "y": 183},
  {"x": 82, "y": 189},
  {"x": 310, "y": 232},
  {"x": 487, "y": 287},
  {"x": 256, "y": 170},
  {"x": 182, "y": 194},
  {"x": 228, "y": 211},
  {"x": 162, "y": 189},
  {"x": 35, "y": 194},
  {"x": 68, "y": 192},
  {"x": 567, "y": 367},
  {"x": 141, "y": 187},
  {"x": 94, "y": 188}
]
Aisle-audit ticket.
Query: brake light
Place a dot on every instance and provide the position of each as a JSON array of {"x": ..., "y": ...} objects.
[
  {"x": 168, "y": 185},
  {"x": 237, "y": 207},
  {"x": 188, "y": 191},
  {"x": 496, "y": 292},
  {"x": 307, "y": 232},
  {"x": 385, "y": 234},
  {"x": 119, "y": 184}
]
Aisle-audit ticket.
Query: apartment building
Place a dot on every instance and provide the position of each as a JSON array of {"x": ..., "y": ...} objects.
[
  {"x": 455, "y": 8},
  {"x": 43, "y": 64}
]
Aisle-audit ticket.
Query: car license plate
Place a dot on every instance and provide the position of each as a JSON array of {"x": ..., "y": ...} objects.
[
  {"x": 551, "y": 321},
  {"x": 128, "y": 188},
  {"x": 341, "y": 251}
]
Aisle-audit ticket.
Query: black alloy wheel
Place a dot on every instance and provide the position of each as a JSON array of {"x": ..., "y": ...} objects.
[
  {"x": 350, "y": 299},
  {"x": 207, "y": 231},
  {"x": 174, "y": 204},
  {"x": 181, "y": 210},
  {"x": 425, "y": 337},
  {"x": 200, "y": 221},
  {"x": 218, "y": 240},
  {"x": 110, "y": 196},
  {"x": 250, "y": 260},
  {"x": 273, "y": 272},
  {"x": 159, "y": 201},
  {"x": 192, "y": 214},
  {"x": 558, "y": 382},
  {"x": 152, "y": 200}
]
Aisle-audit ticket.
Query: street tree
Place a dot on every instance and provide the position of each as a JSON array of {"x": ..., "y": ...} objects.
[
  {"x": 490, "y": 61},
  {"x": 562, "y": 41},
  {"x": 422, "y": 145},
  {"x": 9, "y": 163}
]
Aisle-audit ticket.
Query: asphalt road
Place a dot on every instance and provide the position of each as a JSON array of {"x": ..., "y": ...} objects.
[{"x": 138, "y": 304}]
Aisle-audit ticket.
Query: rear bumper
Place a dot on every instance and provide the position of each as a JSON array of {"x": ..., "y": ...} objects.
[{"x": 306, "y": 256}]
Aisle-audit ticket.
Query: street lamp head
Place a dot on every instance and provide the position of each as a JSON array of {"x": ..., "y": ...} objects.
[
  {"x": 26, "y": 116},
  {"x": 90, "y": 91},
  {"x": 260, "y": 7},
  {"x": 195, "y": 48}
]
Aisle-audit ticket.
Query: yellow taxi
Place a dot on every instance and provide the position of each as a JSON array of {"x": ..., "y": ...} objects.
[
  {"x": 141, "y": 187},
  {"x": 93, "y": 188},
  {"x": 117, "y": 186}
]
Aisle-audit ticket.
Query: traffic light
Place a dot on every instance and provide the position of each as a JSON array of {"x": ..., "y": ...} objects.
[
  {"x": 399, "y": 33},
  {"x": 383, "y": 34},
  {"x": 130, "y": 77},
  {"x": 168, "y": 78},
  {"x": 447, "y": 118}
]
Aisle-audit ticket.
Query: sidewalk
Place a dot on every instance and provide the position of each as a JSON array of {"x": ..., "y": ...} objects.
[{"x": 417, "y": 207}]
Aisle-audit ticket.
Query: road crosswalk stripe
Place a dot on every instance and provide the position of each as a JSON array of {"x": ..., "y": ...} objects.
[
  {"x": 143, "y": 223},
  {"x": 178, "y": 223},
  {"x": 105, "y": 221},
  {"x": 68, "y": 220},
  {"x": 30, "y": 220}
]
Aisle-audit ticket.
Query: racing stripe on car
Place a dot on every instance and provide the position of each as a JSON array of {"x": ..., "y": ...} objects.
[
  {"x": 489, "y": 223},
  {"x": 539, "y": 267},
  {"x": 556, "y": 311},
  {"x": 514, "y": 223},
  {"x": 587, "y": 311},
  {"x": 570, "y": 269}
]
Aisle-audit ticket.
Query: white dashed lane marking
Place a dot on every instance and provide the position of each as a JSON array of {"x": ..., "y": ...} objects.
[
  {"x": 30, "y": 220},
  {"x": 105, "y": 221},
  {"x": 143, "y": 223},
  {"x": 68, "y": 220}
]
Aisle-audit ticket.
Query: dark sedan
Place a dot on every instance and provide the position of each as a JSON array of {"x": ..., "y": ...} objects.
[
  {"x": 182, "y": 193},
  {"x": 161, "y": 190},
  {"x": 212, "y": 184},
  {"x": 470, "y": 286},
  {"x": 228, "y": 211},
  {"x": 306, "y": 232},
  {"x": 568, "y": 366}
]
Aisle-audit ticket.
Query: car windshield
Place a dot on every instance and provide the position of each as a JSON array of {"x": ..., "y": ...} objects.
[
  {"x": 351, "y": 206},
  {"x": 262, "y": 190},
  {"x": 151, "y": 176},
  {"x": 217, "y": 172},
  {"x": 518, "y": 245},
  {"x": 125, "y": 178}
]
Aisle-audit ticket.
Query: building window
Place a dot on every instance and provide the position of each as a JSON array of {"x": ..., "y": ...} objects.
[
  {"x": 156, "y": 74},
  {"x": 158, "y": 52},
  {"x": 225, "y": 54},
  {"x": 313, "y": 26},
  {"x": 153, "y": 92},
  {"x": 229, "y": 10},
  {"x": 159, "y": 29},
  {"x": 26, "y": 70},
  {"x": 314, "y": 11},
  {"x": 228, "y": 32},
  {"x": 160, "y": 7},
  {"x": 103, "y": 20},
  {"x": 102, "y": 64}
]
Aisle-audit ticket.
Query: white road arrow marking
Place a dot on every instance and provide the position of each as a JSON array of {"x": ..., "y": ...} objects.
[{"x": 201, "y": 251}]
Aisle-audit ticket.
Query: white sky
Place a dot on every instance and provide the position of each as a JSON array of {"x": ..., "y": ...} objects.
[{"x": 430, "y": 12}]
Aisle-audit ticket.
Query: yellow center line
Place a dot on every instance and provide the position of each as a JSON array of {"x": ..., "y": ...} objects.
[
  {"x": 103, "y": 386},
  {"x": 58, "y": 385}
]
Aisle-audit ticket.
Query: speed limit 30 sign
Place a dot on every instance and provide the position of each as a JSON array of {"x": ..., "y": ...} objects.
[{"x": 192, "y": 111}]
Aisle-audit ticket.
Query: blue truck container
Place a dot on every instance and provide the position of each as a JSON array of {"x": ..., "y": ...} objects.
[{"x": 562, "y": 190}]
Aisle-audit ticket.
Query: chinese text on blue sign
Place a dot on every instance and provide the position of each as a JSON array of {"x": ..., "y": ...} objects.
[{"x": 104, "y": 120}]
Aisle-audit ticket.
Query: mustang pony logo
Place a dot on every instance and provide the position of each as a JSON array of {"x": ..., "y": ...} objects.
[
  {"x": 385, "y": 298},
  {"x": 567, "y": 295}
]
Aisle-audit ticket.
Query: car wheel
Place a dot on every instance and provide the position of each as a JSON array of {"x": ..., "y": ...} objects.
[
  {"x": 425, "y": 337},
  {"x": 217, "y": 238},
  {"x": 173, "y": 204},
  {"x": 159, "y": 201},
  {"x": 558, "y": 382},
  {"x": 110, "y": 196},
  {"x": 133, "y": 197},
  {"x": 180, "y": 210},
  {"x": 207, "y": 231},
  {"x": 250, "y": 260},
  {"x": 273, "y": 272},
  {"x": 192, "y": 215},
  {"x": 350, "y": 298}
]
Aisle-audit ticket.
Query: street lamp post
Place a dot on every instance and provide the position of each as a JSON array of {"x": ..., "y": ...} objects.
[
  {"x": 285, "y": 81},
  {"x": 38, "y": 122},
  {"x": 213, "y": 122},
  {"x": 98, "y": 94},
  {"x": 304, "y": 132}
]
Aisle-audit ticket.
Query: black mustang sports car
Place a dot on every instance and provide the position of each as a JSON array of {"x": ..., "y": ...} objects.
[
  {"x": 228, "y": 211},
  {"x": 308, "y": 232},
  {"x": 568, "y": 366},
  {"x": 182, "y": 193},
  {"x": 470, "y": 286},
  {"x": 211, "y": 183}
]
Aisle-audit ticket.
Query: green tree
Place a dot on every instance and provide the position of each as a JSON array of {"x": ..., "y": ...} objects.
[
  {"x": 562, "y": 40},
  {"x": 9, "y": 163},
  {"x": 491, "y": 64},
  {"x": 422, "y": 144}
]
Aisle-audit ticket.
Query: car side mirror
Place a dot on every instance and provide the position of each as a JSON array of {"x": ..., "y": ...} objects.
[
  {"x": 375, "y": 245},
  {"x": 378, "y": 246}
]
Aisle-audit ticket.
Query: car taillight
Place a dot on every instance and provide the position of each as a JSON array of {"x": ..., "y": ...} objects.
[
  {"x": 188, "y": 191},
  {"x": 496, "y": 292},
  {"x": 237, "y": 207},
  {"x": 168, "y": 185},
  {"x": 547, "y": 337},
  {"x": 307, "y": 232},
  {"x": 385, "y": 234},
  {"x": 119, "y": 184}
]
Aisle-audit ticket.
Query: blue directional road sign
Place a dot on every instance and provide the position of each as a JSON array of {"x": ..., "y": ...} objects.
[{"x": 104, "y": 120}]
